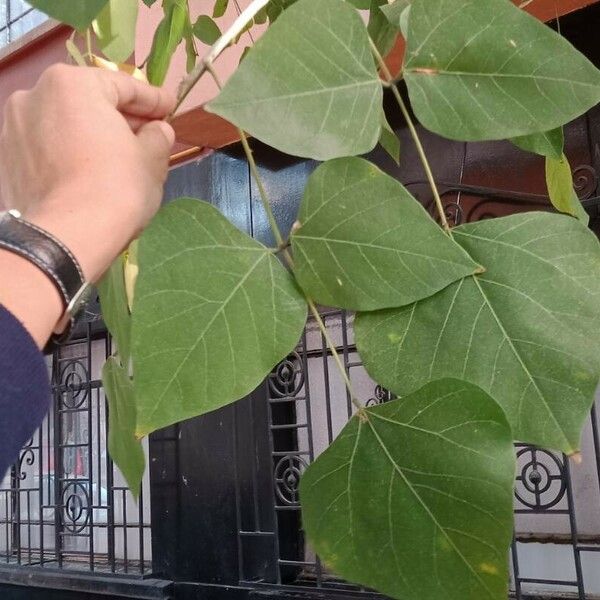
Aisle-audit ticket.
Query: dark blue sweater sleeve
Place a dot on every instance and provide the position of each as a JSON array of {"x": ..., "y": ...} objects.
[{"x": 24, "y": 388}]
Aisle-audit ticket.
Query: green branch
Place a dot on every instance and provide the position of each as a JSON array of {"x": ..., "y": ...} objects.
[
  {"x": 287, "y": 256},
  {"x": 415, "y": 136}
]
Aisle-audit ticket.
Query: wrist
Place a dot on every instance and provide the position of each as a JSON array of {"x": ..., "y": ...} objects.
[{"x": 94, "y": 231}]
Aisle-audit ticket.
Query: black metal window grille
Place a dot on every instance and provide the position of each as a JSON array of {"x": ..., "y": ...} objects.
[
  {"x": 63, "y": 505},
  {"x": 16, "y": 19}
]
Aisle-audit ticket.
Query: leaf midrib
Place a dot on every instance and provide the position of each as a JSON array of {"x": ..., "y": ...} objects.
[
  {"x": 324, "y": 90},
  {"x": 509, "y": 340},
  {"x": 370, "y": 245},
  {"x": 409, "y": 485},
  {"x": 200, "y": 337},
  {"x": 427, "y": 72}
]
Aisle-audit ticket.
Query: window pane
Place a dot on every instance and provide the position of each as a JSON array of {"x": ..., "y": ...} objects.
[{"x": 16, "y": 19}]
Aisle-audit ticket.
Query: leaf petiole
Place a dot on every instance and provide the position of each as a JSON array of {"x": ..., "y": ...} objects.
[{"x": 415, "y": 136}]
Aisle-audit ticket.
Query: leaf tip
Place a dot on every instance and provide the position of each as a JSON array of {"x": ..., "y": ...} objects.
[{"x": 576, "y": 457}]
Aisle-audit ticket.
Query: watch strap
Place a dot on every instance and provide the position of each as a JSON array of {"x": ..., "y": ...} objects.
[{"x": 49, "y": 254}]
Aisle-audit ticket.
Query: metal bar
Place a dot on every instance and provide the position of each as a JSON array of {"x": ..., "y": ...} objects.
[
  {"x": 346, "y": 359},
  {"x": 238, "y": 500},
  {"x": 573, "y": 525}
]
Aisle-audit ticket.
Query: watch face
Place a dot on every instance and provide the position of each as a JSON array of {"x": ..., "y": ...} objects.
[{"x": 79, "y": 300}]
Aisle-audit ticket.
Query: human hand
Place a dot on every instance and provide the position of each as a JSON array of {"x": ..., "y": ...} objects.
[{"x": 84, "y": 155}]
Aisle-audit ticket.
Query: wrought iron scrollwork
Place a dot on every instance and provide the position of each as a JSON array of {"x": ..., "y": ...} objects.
[
  {"x": 288, "y": 471},
  {"x": 74, "y": 382},
  {"x": 381, "y": 395},
  {"x": 541, "y": 481},
  {"x": 287, "y": 378},
  {"x": 585, "y": 181},
  {"x": 26, "y": 458},
  {"x": 76, "y": 506}
]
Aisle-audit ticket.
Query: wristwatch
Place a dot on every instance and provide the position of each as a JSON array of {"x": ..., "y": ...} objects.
[{"x": 55, "y": 260}]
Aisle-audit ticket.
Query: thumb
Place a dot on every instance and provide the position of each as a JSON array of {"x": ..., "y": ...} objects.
[{"x": 157, "y": 138}]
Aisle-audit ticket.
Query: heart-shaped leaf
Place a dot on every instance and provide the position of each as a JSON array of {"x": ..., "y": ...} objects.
[
  {"x": 125, "y": 450},
  {"x": 365, "y": 243},
  {"x": 214, "y": 310},
  {"x": 484, "y": 70},
  {"x": 527, "y": 330},
  {"x": 309, "y": 86},
  {"x": 76, "y": 14},
  {"x": 414, "y": 498},
  {"x": 546, "y": 143}
]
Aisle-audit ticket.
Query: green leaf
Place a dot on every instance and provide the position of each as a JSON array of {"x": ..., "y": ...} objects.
[
  {"x": 381, "y": 31},
  {"x": 214, "y": 312},
  {"x": 206, "y": 30},
  {"x": 365, "y": 243},
  {"x": 220, "y": 8},
  {"x": 414, "y": 498},
  {"x": 261, "y": 16},
  {"x": 288, "y": 95},
  {"x": 190, "y": 47},
  {"x": 527, "y": 330},
  {"x": 125, "y": 450},
  {"x": 115, "y": 309},
  {"x": 484, "y": 70},
  {"x": 167, "y": 37},
  {"x": 115, "y": 29},
  {"x": 546, "y": 143},
  {"x": 559, "y": 181},
  {"x": 404, "y": 17},
  {"x": 393, "y": 12},
  {"x": 77, "y": 14},
  {"x": 389, "y": 140},
  {"x": 276, "y": 7}
]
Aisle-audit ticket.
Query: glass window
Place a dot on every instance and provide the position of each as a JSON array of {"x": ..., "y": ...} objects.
[{"x": 16, "y": 19}]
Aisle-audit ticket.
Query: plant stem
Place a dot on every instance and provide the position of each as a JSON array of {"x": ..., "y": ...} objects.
[
  {"x": 414, "y": 135},
  {"x": 282, "y": 244},
  {"x": 336, "y": 357},
  {"x": 255, "y": 174},
  {"x": 185, "y": 87}
]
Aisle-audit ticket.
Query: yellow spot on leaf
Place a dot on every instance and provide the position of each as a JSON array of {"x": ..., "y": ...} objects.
[
  {"x": 394, "y": 338},
  {"x": 488, "y": 569}
]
